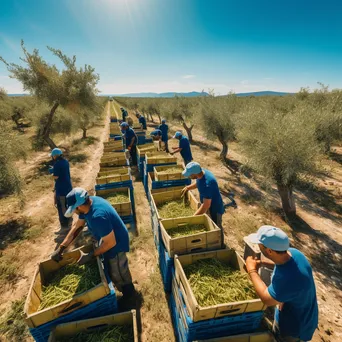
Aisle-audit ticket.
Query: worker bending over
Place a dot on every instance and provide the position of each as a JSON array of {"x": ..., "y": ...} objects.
[
  {"x": 292, "y": 287},
  {"x": 209, "y": 191},
  {"x": 61, "y": 174},
  {"x": 157, "y": 136},
  {"x": 108, "y": 229},
  {"x": 183, "y": 148},
  {"x": 165, "y": 138},
  {"x": 142, "y": 121},
  {"x": 131, "y": 141}
]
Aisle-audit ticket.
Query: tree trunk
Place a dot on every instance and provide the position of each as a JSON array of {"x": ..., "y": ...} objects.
[
  {"x": 159, "y": 118},
  {"x": 188, "y": 131},
  {"x": 84, "y": 136},
  {"x": 287, "y": 199},
  {"x": 224, "y": 152},
  {"x": 151, "y": 117},
  {"x": 47, "y": 128}
]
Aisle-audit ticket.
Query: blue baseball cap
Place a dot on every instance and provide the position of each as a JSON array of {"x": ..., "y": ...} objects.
[
  {"x": 56, "y": 152},
  {"x": 163, "y": 120},
  {"x": 75, "y": 198},
  {"x": 193, "y": 168},
  {"x": 177, "y": 135},
  {"x": 156, "y": 132},
  {"x": 271, "y": 237},
  {"x": 124, "y": 124}
]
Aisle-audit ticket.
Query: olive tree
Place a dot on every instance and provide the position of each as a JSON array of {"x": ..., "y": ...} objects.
[
  {"x": 217, "y": 116},
  {"x": 71, "y": 88},
  {"x": 280, "y": 146}
]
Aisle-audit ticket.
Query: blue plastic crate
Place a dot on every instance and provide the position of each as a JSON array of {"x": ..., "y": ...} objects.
[
  {"x": 141, "y": 139},
  {"x": 166, "y": 265},
  {"x": 211, "y": 328},
  {"x": 113, "y": 120},
  {"x": 105, "y": 306},
  {"x": 174, "y": 318},
  {"x": 127, "y": 219},
  {"x": 148, "y": 140},
  {"x": 114, "y": 185},
  {"x": 170, "y": 183},
  {"x": 114, "y": 135}
]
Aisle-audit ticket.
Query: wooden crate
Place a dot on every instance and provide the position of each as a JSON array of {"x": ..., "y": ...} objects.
[
  {"x": 166, "y": 196},
  {"x": 151, "y": 159},
  {"x": 35, "y": 318},
  {"x": 111, "y": 143},
  {"x": 142, "y": 149},
  {"x": 200, "y": 242},
  {"x": 199, "y": 313},
  {"x": 121, "y": 170},
  {"x": 124, "y": 208},
  {"x": 168, "y": 176},
  {"x": 150, "y": 178},
  {"x": 115, "y": 159},
  {"x": 71, "y": 329},
  {"x": 255, "y": 337},
  {"x": 113, "y": 178}
]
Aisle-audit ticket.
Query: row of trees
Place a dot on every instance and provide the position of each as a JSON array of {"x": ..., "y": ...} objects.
[
  {"x": 283, "y": 138},
  {"x": 62, "y": 101}
]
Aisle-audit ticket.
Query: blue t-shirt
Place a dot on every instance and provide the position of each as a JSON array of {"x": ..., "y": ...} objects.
[
  {"x": 129, "y": 135},
  {"x": 102, "y": 218},
  {"x": 208, "y": 188},
  {"x": 164, "y": 129},
  {"x": 142, "y": 121},
  {"x": 293, "y": 284},
  {"x": 61, "y": 169},
  {"x": 184, "y": 144}
]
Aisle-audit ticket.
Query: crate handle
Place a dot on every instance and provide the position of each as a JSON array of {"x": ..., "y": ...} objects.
[
  {"x": 196, "y": 249},
  {"x": 72, "y": 307},
  {"x": 224, "y": 312},
  {"x": 196, "y": 240},
  {"x": 181, "y": 224},
  {"x": 97, "y": 326}
]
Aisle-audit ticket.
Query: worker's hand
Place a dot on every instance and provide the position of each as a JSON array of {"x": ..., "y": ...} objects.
[
  {"x": 50, "y": 170},
  {"x": 57, "y": 255},
  {"x": 252, "y": 263},
  {"x": 174, "y": 148},
  {"x": 184, "y": 191},
  {"x": 129, "y": 148},
  {"x": 85, "y": 257}
]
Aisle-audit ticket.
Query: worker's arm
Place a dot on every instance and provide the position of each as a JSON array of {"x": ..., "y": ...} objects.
[
  {"x": 187, "y": 188},
  {"x": 132, "y": 142},
  {"x": 74, "y": 232},
  {"x": 176, "y": 149},
  {"x": 55, "y": 177},
  {"x": 204, "y": 207},
  {"x": 108, "y": 242},
  {"x": 252, "y": 265}
]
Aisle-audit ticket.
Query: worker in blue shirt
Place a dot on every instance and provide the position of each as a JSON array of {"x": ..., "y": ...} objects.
[
  {"x": 165, "y": 138},
  {"x": 142, "y": 121},
  {"x": 184, "y": 147},
  {"x": 131, "y": 141},
  {"x": 109, "y": 230},
  {"x": 209, "y": 192},
  {"x": 292, "y": 287},
  {"x": 61, "y": 174},
  {"x": 124, "y": 114}
]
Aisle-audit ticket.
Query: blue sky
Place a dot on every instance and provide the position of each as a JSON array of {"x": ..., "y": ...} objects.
[{"x": 183, "y": 45}]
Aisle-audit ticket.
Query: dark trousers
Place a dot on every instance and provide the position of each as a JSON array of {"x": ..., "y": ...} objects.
[
  {"x": 133, "y": 153},
  {"x": 187, "y": 161},
  {"x": 217, "y": 219},
  {"x": 60, "y": 202}
]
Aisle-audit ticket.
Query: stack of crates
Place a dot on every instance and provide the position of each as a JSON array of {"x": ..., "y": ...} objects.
[
  {"x": 152, "y": 160},
  {"x": 113, "y": 146},
  {"x": 165, "y": 259},
  {"x": 98, "y": 301},
  {"x": 110, "y": 160},
  {"x": 193, "y": 322},
  {"x": 141, "y": 152}
]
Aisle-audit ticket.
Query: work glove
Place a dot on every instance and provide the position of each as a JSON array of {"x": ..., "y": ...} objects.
[
  {"x": 184, "y": 191},
  {"x": 50, "y": 170},
  {"x": 57, "y": 254},
  {"x": 85, "y": 258}
]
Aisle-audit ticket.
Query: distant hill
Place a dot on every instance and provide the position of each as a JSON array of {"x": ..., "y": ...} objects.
[{"x": 170, "y": 94}]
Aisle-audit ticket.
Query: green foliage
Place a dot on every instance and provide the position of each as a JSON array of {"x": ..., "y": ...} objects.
[
  {"x": 12, "y": 147},
  {"x": 218, "y": 116},
  {"x": 72, "y": 88},
  {"x": 13, "y": 323}
]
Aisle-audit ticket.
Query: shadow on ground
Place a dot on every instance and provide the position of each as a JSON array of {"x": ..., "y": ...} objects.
[{"x": 12, "y": 231}]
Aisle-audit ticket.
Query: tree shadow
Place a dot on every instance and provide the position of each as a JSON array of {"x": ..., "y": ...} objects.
[
  {"x": 205, "y": 146},
  {"x": 78, "y": 158},
  {"x": 336, "y": 157},
  {"x": 323, "y": 252},
  {"x": 13, "y": 231}
]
